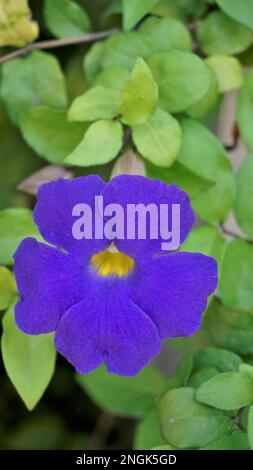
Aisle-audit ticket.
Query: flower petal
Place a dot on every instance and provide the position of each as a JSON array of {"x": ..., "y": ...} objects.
[
  {"x": 53, "y": 212},
  {"x": 133, "y": 189},
  {"x": 107, "y": 327},
  {"x": 49, "y": 282},
  {"x": 173, "y": 290}
]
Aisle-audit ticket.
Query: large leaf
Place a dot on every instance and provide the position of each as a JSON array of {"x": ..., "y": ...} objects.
[
  {"x": 250, "y": 427},
  {"x": 166, "y": 33},
  {"x": 134, "y": 10},
  {"x": 147, "y": 434},
  {"x": 183, "y": 79},
  {"x": 244, "y": 196},
  {"x": 219, "y": 34},
  {"x": 159, "y": 138},
  {"x": 29, "y": 360},
  {"x": 139, "y": 96},
  {"x": 33, "y": 81},
  {"x": 124, "y": 396},
  {"x": 223, "y": 360},
  {"x": 185, "y": 423},
  {"x": 226, "y": 391},
  {"x": 241, "y": 11},
  {"x": 65, "y": 18},
  {"x": 236, "y": 280},
  {"x": 235, "y": 441},
  {"x": 15, "y": 224},
  {"x": 101, "y": 144},
  {"x": 16, "y": 27},
  {"x": 8, "y": 287},
  {"x": 245, "y": 111},
  {"x": 97, "y": 103},
  {"x": 203, "y": 154},
  {"x": 123, "y": 49},
  {"x": 50, "y": 134}
]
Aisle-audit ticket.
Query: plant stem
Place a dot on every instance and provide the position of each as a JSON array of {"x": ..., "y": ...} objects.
[
  {"x": 234, "y": 235},
  {"x": 52, "y": 43}
]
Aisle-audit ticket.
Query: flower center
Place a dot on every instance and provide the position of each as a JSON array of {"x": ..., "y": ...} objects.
[{"x": 112, "y": 262}]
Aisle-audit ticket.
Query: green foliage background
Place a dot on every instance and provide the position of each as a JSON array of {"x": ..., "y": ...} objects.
[{"x": 155, "y": 93}]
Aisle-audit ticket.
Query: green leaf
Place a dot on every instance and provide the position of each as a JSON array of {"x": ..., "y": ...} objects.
[
  {"x": 15, "y": 224},
  {"x": 236, "y": 441},
  {"x": 235, "y": 331},
  {"x": 124, "y": 396},
  {"x": 223, "y": 360},
  {"x": 123, "y": 49},
  {"x": 33, "y": 81},
  {"x": 167, "y": 34},
  {"x": 92, "y": 61},
  {"x": 236, "y": 280},
  {"x": 50, "y": 134},
  {"x": 147, "y": 433},
  {"x": 226, "y": 391},
  {"x": 246, "y": 369},
  {"x": 228, "y": 72},
  {"x": 180, "y": 175},
  {"x": 139, "y": 96},
  {"x": 65, "y": 18},
  {"x": 203, "y": 154},
  {"x": 112, "y": 77},
  {"x": 250, "y": 427},
  {"x": 133, "y": 11},
  {"x": 199, "y": 109},
  {"x": 206, "y": 240},
  {"x": 185, "y": 423},
  {"x": 8, "y": 287},
  {"x": 101, "y": 144},
  {"x": 97, "y": 103},
  {"x": 29, "y": 360},
  {"x": 183, "y": 79},
  {"x": 202, "y": 375},
  {"x": 244, "y": 196},
  {"x": 16, "y": 27},
  {"x": 245, "y": 111},
  {"x": 159, "y": 138},
  {"x": 182, "y": 373},
  {"x": 240, "y": 11},
  {"x": 219, "y": 34}
]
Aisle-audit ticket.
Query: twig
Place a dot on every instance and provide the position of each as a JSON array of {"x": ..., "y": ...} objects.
[
  {"x": 52, "y": 43},
  {"x": 234, "y": 235}
]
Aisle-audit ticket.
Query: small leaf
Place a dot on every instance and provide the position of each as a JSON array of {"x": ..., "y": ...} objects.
[
  {"x": 33, "y": 81},
  {"x": 205, "y": 240},
  {"x": 202, "y": 375},
  {"x": 8, "y": 288},
  {"x": 185, "y": 423},
  {"x": 203, "y": 154},
  {"x": 123, "y": 49},
  {"x": 65, "y": 18},
  {"x": 97, "y": 103},
  {"x": 180, "y": 175},
  {"x": 183, "y": 79},
  {"x": 244, "y": 196},
  {"x": 101, "y": 144},
  {"x": 226, "y": 391},
  {"x": 46, "y": 174},
  {"x": 92, "y": 61},
  {"x": 15, "y": 224},
  {"x": 223, "y": 360},
  {"x": 139, "y": 96},
  {"x": 134, "y": 10},
  {"x": 228, "y": 72},
  {"x": 236, "y": 280},
  {"x": 50, "y": 134},
  {"x": 29, "y": 360},
  {"x": 240, "y": 11},
  {"x": 147, "y": 433},
  {"x": 16, "y": 27},
  {"x": 166, "y": 33},
  {"x": 124, "y": 396},
  {"x": 112, "y": 77},
  {"x": 159, "y": 138},
  {"x": 219, "y": 34}
]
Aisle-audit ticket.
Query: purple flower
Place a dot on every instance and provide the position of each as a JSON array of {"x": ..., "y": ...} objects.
[{"x": 109, "y": 305}]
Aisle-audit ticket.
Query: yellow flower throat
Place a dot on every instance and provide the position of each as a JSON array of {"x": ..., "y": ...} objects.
[{"x": 112, "y": 262}]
